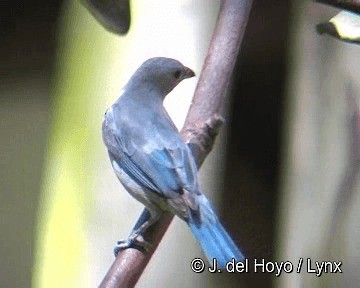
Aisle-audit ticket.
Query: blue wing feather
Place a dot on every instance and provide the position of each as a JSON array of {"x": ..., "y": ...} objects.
[{"x": 153, "y": 153}]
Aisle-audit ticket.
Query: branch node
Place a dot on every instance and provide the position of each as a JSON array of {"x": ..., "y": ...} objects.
[{"x": 201, "y": 137}]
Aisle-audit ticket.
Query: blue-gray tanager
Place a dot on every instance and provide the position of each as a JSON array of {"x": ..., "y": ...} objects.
[{"x": 155, "y": 165}]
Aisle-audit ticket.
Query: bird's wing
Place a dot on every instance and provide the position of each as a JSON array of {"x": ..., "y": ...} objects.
[{"x": 156, "y": 157}]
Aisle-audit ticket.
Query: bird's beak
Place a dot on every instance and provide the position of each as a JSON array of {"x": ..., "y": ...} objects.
[{"x": 188, "y": 73}]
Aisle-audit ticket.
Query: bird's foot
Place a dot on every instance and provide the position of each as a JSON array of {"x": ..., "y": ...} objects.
[{"x": 136, "y": 241}]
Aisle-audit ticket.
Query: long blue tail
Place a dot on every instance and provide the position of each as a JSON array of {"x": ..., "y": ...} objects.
[{"x": 212, "y": 236}]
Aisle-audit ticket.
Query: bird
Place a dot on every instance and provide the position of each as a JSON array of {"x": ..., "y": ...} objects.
[{"x": 155, "y": 165}]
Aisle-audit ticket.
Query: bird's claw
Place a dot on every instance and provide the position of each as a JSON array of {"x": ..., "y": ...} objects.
[
  {"x": 134, "y": 241},
  {"x": 121, "y": 245}
]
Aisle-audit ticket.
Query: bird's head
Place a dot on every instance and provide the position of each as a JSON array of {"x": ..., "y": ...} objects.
[{"x": 162, "y": 73}]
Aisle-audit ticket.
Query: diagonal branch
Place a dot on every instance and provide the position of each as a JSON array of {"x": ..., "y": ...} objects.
[{"x": 202, "y": 123}]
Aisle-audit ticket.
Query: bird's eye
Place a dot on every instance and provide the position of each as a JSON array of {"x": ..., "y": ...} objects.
[{"x": 177, "y": 74}]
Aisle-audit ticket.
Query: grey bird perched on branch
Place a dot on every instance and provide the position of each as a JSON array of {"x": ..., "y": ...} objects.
[{"x": 155, "y": 165}]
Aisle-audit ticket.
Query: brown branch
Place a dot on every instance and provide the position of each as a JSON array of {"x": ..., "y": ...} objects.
[
  {"x": 200, "y": 129},
  {"x": 351, "y": 5}
]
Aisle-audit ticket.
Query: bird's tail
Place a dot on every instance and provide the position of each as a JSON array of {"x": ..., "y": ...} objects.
[{"x": 212, "y": 236}]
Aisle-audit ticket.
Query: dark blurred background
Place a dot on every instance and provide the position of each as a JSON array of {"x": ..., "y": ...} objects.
[
  {"x": 28, "y": 43},
  {"x": 254, "y": 143}
]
